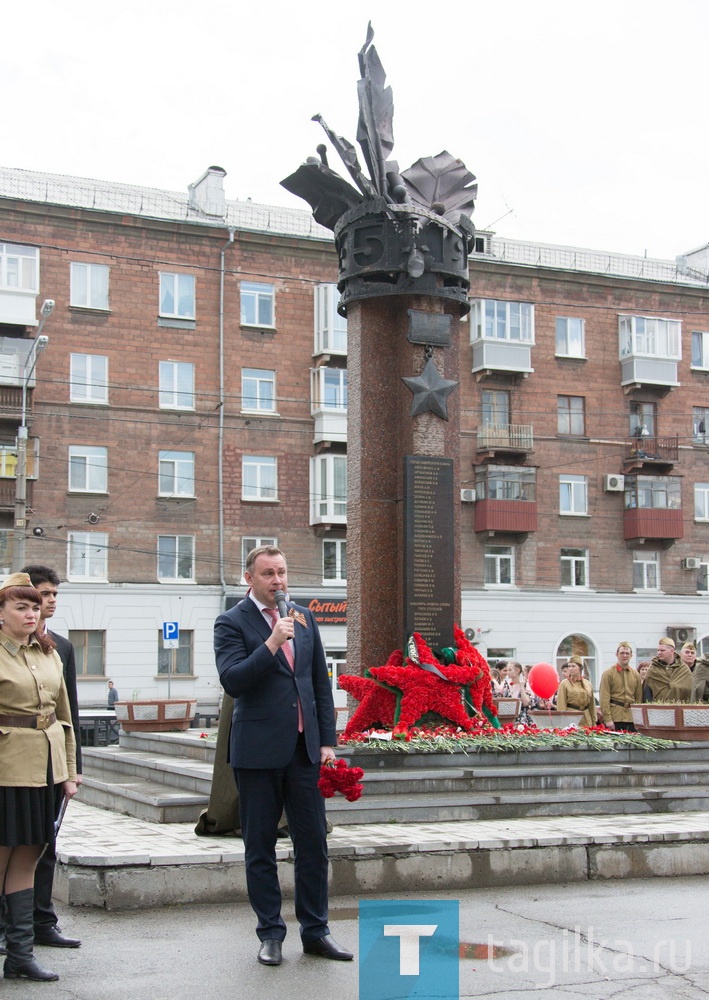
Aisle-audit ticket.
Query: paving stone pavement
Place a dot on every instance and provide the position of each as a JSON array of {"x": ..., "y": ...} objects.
[{"x": 98, "y": 837}]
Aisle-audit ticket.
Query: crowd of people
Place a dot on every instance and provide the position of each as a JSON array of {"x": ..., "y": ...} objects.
[{"x": 670, "y": 676}]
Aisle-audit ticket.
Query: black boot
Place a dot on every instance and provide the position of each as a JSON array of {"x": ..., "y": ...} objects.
[{"x": 19, "y": 936}]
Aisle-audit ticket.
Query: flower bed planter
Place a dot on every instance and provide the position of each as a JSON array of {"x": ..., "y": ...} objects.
[
  {"x": 508, "y": 708},
  {"x": 556, "y": 720},
  {"x": 672, "y": 722},
  {"x": 159, "y": 715}
]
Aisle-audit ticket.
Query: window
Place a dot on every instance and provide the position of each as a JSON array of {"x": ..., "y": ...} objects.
[
  {"x": 652, "y": 337},
  {"x": 89, "y": 286},
  {"x": 88, "y": 379},
  {"x": 176, "y": 475},
  {"x": 87, "y": 555},
  {"x": 655, "y": 492},
  {"x": 328, "y": 489},
  {"x": 570, "y": 337},
  {"x": 176, "y": 385},
  {"x": 176, "y": 661},
  {"x": 700, "y": 350},
  {"x": 495, "y": 408},
  {"x": 570, "y": 415},
  {"x": 88, "y": 469},
  {"x": 90, "y": 649},
  {"x": 499, "y": 566},
  {"x": 176, "y": 557},
  {"x": 257, "y": 304},
  {"x": 259, "y": 477},
  {"x": 328, "y": 400},
  {"x": 334, "y": 388},
  {"x": 700, "y": 422},
  {"x": 258, "y": 390},
  {"x": 505, "y": 482},
  {"x": 646, "y": 570},
  {"x": 177, "y": 296},
  {"x": 330, "y": 327},
  {"x": 701, "y": 501},
  {"x": 500, "y": 654},
  {"x": 11, "y": 372},
  {"x": 8, "y": 459},
  {"x": 703, "y": 584},
  {"x": 643, "y": 420},
  {"x": 336, "y": 660},
  {"x": 249, "y": 542},
  {"x": 574, "y": 568},
  {"x": 573, "y": 494},
  {"x": 578, "y": 645},
  {"x": 19, "y": 267},
  {"x": 6, "y": 550},
  {"x": 497, "y": 320},
  {"x": 334, "y": 561}
]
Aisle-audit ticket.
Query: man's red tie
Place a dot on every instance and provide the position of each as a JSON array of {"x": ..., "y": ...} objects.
[{"x": 287, "y": 648}]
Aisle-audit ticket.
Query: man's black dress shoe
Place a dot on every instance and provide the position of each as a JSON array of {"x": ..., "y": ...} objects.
[
  {"x": 51, "y": 938},
  {"x": 270, "y": 952},
  {"x": 327, "y": 947}
]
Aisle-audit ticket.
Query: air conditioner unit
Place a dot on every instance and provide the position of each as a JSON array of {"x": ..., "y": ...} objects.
[
  {"x": 681, "y": 633},
  {"x": 691, "y": 562},
  {"x": 467, "y": 496},
  {"x": 614, "y": 484}
]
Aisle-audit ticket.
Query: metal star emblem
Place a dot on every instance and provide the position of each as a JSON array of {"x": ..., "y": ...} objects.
[{"x": 430, "y": 391}]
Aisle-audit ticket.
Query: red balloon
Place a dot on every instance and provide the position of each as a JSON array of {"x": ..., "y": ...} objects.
[{"x": 543, "y": 680}]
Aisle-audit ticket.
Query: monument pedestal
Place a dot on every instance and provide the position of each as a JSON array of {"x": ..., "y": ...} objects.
[{"x": 383, "y": 605}]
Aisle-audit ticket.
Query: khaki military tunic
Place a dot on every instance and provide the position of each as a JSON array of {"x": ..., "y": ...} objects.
[{"x": 620, "y": 688}]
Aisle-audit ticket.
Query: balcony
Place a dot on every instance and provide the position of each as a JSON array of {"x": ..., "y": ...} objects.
[
  {"x": 11, "y": 402},
  {"x": 651, "y": 451},
  {"x": 512, "y": 516},
  {"x": 638, "y": 372},
  {"x": 328, "y": 490},
  {"x": 19, "y": 284},
  {"x": 652, "y": 522},
  {"x": 330, "y": 425},
  {"x": 328, "y": 404},
  {"x": 505, "y": 438},
  {"x": 7, "y": 494},
  {"x": 492, "y": 356},
  {"x": 650, "y": 348}
]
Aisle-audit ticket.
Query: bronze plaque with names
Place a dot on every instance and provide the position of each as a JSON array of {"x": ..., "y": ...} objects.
[
  {"x": 429, "y": 328},
  {"x": 428, "y": 549}
]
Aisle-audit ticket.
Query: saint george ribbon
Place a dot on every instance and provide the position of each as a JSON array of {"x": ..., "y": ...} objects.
[{"x": 287, "y": 648}]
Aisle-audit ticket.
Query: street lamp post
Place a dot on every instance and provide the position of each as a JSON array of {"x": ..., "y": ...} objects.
[{"x": 38, "y": 345}]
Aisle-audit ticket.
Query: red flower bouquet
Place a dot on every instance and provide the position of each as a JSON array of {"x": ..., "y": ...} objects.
[{"x": 336, "y": 776}]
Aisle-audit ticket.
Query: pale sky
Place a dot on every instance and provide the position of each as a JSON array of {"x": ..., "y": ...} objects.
[{"x": 585, "y": 124}]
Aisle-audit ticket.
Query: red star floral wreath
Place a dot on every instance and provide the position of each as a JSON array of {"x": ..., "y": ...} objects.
[{"x": 405, "y": 693}]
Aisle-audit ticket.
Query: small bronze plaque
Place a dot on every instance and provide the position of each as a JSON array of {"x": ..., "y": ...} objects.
[{"x": 429, "y": 328}]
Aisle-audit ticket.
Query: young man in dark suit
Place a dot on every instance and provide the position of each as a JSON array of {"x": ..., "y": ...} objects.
[
  {"x": 283, "y": 729},
  {"x": 46, "y": 931}
]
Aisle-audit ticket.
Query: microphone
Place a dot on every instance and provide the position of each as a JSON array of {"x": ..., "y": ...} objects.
[{"x": 280, "y": 599}]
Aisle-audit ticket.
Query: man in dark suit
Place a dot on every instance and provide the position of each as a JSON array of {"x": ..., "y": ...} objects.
[
  {"x": 283, "y": 729},
  {"x": 46, "y": 931}
]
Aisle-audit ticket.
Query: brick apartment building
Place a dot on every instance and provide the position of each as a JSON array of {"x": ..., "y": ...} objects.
[{"x": 192, "y": 403}]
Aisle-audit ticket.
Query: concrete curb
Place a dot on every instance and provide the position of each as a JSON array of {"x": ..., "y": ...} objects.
[{"x": 359, "y": 871}]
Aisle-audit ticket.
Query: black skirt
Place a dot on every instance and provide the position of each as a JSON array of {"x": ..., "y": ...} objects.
[{"x": 27, "y": 814}]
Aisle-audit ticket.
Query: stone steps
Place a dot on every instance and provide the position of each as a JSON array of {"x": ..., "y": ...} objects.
[
  {"x": 147, "y": 800},
  {"x": 166, "y": 778},
  {"x": 442, "y": 807}
]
